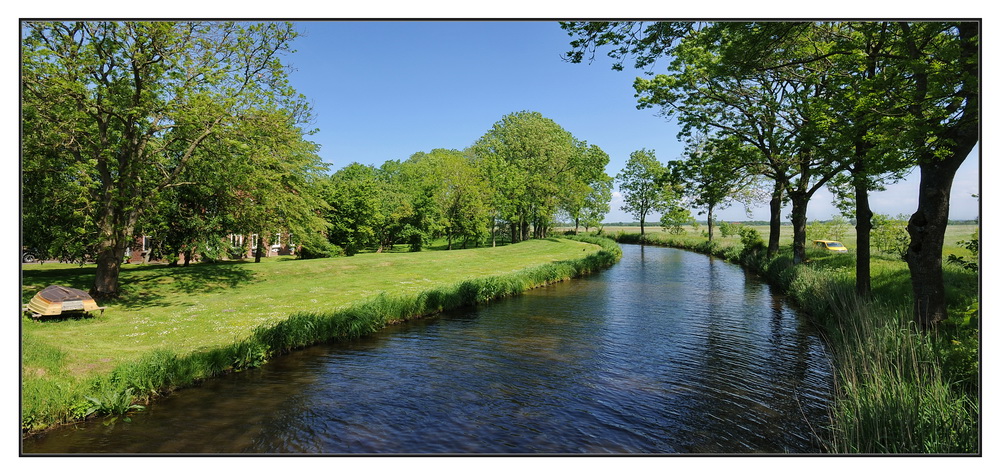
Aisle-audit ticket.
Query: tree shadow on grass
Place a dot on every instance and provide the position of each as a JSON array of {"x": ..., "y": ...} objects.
[
  {"x": 36, "y": 278},
  {"x": 162, "y": 285},
  {"x": 893, "y": 287},
  {"x": 458, "y": 246},
  {"x": 148, "y": 285}
]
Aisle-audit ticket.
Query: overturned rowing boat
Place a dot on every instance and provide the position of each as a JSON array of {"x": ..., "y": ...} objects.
[{"x": 57, "y": 300}]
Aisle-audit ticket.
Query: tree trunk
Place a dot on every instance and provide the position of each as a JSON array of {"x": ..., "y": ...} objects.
[
  {"x": 642, "y": 227},
  {"x": 260, "y": 248},
  {"x": 576, "y": 230},
  {"x": 775, "y": 224},
  {"x": 928, "y": 224},
  {"x": 863, "y": 225},
  {"x": 109, "y": 265},
  {"x": 927, "y": 227},
  {"x": 799, "y": 204},
  {"x": 114, "y": 238},
  {"x": 711, "y": 223}
]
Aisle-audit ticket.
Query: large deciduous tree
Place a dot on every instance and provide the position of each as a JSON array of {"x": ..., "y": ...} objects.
[
  {"x": 641, "y": 185},
  {"x": 714, "y": 175},
  {"x": 126, "y": 106},
  {"x": 532, "y": 163},
  {"x": 580, "y": 196},
  {"x": 356, "y": 213},
  {"x": 941, "y": 60},
  {"x": 456, "y": 189}
]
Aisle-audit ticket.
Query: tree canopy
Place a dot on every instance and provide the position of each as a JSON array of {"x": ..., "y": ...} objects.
[
  {"x": 118, "y": 113},
  {"x": 649, "y": 187},
  {"x": 820, "y": 101},
  {"x": 535, "y": 168}
]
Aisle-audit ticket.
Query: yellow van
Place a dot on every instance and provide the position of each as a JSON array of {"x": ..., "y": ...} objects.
[{"x": 834, "y": 246}]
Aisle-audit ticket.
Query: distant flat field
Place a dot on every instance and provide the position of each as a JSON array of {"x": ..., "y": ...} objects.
[
  {"x": 183, "y": 309},
  {"x": 954, "y": 234}
]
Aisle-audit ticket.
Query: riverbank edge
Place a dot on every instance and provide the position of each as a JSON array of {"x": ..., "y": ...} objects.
[
  {"x": 132, "y": 384},
  {"x": 896, "y": 404}
]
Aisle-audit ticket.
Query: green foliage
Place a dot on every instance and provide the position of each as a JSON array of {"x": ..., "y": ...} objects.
[
  {"x": 647, "y": 186},
  {"x": 318, "y": 246},
  {"x": 889, "y": 235},
  {"x": 833, "y": 229},
  {"x": 714, "y": 173},
  {"x": 854, "y": 105},
  {"x": 112, "y": 401},
  {"x": 587, "y": 199},
  {"x": 450, "y": 196},
  {"x": 674, "y": 214},
  {"x": 596, "y": 204},
  {"x": 355, "y": 213},
  {"x": 118, "y": 113},
  {"x": 751, "y": 240},
  {"x": 728, "y": 229},
  {"x": 534, "y": 168}
]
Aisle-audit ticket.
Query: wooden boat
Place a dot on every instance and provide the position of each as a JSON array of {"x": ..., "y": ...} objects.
[{"x": 57, "y": 300}]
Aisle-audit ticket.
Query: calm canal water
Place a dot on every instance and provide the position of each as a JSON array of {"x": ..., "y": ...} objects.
[{"x": 666, "y": 352}]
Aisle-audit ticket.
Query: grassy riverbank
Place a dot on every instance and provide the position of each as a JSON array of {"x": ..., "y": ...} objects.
[
  {"x": 899, "y": 391},
  {"x": 174, "y": 326}
]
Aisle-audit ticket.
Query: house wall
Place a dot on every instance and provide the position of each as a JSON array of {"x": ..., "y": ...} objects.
[{"x": 138, "y": 251}]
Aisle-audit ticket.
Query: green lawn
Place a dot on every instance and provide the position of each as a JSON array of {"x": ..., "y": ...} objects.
[{"x": 202, "y": 306}]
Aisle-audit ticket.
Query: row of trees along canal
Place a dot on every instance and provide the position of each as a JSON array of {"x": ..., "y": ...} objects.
[
  {"x": 188, "y": 132},
  {"x": 802, "y": 105}
]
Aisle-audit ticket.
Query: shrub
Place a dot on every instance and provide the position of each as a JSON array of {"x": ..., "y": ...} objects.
[
  {"x": 751, "y": 240},
  {"x": 728, "y": 229},
  {"x": 415, "y": 238},
  {"x": 833, "y": 229},
  {"x": 110, "y": 401},
  {"x": 889, "y": 235},
  {"x": 217, "y": 249},
  {"x": 317, "y": 246}
]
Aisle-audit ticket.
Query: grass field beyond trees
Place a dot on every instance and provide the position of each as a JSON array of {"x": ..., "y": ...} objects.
[{"x": 954, "y": 234}]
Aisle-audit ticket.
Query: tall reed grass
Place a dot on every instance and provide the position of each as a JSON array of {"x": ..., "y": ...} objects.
[
  {"x": 45, "y": 404},
  {"x": 894, "y": 395}
]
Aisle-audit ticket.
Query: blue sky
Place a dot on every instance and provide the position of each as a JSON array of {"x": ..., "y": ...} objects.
[{"x": 384, "y": 90}]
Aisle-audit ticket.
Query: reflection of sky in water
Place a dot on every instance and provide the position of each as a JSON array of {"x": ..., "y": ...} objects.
[{"x": 668, "y": 351}]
